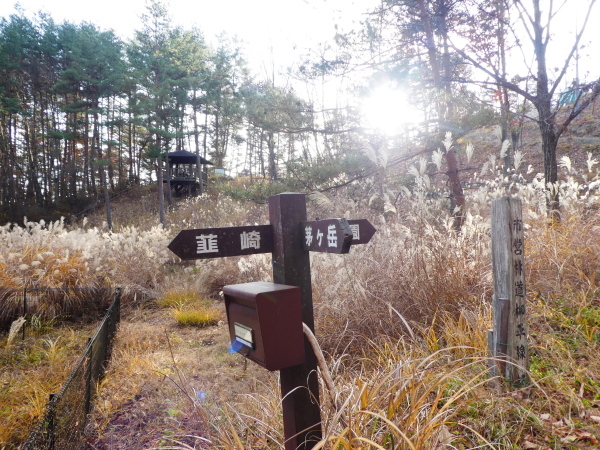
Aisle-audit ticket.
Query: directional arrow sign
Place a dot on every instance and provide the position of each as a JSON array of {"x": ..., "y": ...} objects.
[
  {"x": 217, "y": 242},
  {"x": 329, "y": 236},
  {"x": 362, "y": 231}
]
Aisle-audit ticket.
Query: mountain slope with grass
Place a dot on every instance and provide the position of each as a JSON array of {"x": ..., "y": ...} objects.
[{"x": 578, "y": 141}]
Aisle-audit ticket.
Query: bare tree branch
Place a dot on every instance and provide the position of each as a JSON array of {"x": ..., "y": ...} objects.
[
  {"x": 578, "y": 110},
  {"x": 500, "y": 80},
  {"x": 573, "y": 49},
  {"x": 372, "y": 170},
  {"x": 523, "y": 11}
]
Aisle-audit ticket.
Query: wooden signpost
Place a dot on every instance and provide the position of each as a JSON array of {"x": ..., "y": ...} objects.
[
  {"x": 508, "y": 339},
  {"x": 218, "y": 242},
  {"x": 362, "y": 231},
  {"x": 328, "y": 236},
  {"x": 289, "y": 238}
]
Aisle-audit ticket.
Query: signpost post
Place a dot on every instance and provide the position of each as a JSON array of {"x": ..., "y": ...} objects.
[
  {"x": 291, "y": 265},
  {"x": 289, "y": 238}
]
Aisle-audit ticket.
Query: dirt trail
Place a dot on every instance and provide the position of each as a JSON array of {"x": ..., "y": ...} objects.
[{"x": 166, "y": 382}]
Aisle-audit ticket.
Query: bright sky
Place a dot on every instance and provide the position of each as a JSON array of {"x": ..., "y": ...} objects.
[
  {"x": 269, "y": 27},
  {"x": 272, "y": 29}
]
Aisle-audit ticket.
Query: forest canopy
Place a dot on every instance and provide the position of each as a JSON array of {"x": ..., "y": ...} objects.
[{"x": 85, "y": 114}]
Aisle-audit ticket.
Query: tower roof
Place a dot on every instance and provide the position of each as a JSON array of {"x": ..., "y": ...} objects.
[{"x": 185, "y": 157}]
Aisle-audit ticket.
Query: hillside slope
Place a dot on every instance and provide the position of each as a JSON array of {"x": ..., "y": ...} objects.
[{"x": 581, "y": 137}]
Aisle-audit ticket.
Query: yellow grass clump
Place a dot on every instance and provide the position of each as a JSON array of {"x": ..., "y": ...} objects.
[{"x": 197, "y": 315}]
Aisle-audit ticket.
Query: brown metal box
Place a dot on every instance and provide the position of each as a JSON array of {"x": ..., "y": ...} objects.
[{"x": 265, "y": 323}]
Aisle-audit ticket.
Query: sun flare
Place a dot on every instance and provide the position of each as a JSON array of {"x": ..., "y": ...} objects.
[{"x": 389, "y": 111}]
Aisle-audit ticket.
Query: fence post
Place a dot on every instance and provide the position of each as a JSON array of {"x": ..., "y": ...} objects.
[
  {"x": 51, "y": 422},
  {"x": 88, "y": 376},
  {"x": 115, "y": 318},
  {"x": 24, "y": 310},
  {"x": 509, "y": 342},
  {"x": 291, "y": 266},
  {"x": 117, "y": 303},
  {"x": 60, "y": 424}
]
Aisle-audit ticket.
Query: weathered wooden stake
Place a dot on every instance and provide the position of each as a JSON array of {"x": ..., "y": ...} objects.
[
  {"x": 291, "y": 266},
  {"x": 509, "y": 338},
  {"x": 24, "y": 311}
]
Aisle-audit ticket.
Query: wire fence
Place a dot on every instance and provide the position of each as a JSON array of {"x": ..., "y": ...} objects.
[
  {"x": 44, "y": 306},
  {"x": 63, "y": 423}
]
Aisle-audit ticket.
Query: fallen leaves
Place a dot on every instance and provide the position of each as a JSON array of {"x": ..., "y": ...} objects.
[{"x": 565, "y": 429}]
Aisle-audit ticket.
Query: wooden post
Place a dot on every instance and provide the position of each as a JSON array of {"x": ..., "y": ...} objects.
[
  {"x": 24, "y": 310},
  {"x": 509, "y": 342},
  {"x": 52, "y": 422},
  {"x": 88, "y": 376},
  {"x": 291, "y": 266}
]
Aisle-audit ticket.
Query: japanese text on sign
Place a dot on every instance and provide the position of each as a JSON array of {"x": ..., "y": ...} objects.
[
  {"x": 320, "y": 237},
  {"x": 518, "y": 247},
  {"x": 308, "y": 235},
  {"x": 518, "y": 267},
  {"x": 355, "y": 231},
  {"x": 517, "y": 224},
  {"x": 519, "y": 289},
  {"x": 250, "y": 240},
  {"x": 331, "y": 236},
  {"x": 207, "y": 243},
  {"x": 520, "y": 310}
]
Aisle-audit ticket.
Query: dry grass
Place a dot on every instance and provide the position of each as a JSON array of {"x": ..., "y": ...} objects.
[
  {"x": 189, "y": 308},
  {"x": 178, "y": 297},
  {"x": 402, "y": 321},
  {"x": 399, "y": 395},
  {"x": 199, "y": 315},
  {"x": 565, "y": 257},
  {"x": 31, "y": 370},
  {"x": 417, "y": 278},
  {"x": 15, "y": 327},
  {"x": 165, "y": 383}
]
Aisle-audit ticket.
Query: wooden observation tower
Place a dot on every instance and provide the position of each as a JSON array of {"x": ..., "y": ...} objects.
[{"x": 186, "y": 173}]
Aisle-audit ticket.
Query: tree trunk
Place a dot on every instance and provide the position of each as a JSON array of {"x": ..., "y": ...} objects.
[
  {"x": 261, "y": 155},
  {"x": 272, "y": 156},
  {"x": 161, "y": 194},
  {"x": 218, "y": 160},
  {"x": 445, "y": 107},
  {"x": 101, "y": 168},
  {"x": 549, "y": 144},
  {"x": 161, "y": 190},
  {"x": 167, "y": 169},
  {"x": 197, "y": 142},
  {"x": 546, "y": 118}
]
